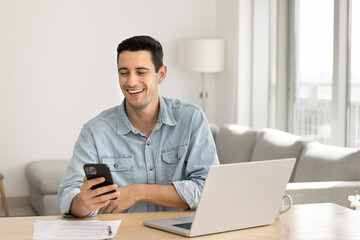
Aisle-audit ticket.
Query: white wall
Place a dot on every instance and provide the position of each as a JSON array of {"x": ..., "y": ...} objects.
[
  {"x": 227, "y": 27},
  {"x": 260, "y": 64},
  {"x": 58, "y": 69},
  {"x": 234, "y": 86}
]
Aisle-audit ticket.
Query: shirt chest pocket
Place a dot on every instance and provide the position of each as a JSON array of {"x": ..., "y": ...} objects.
[
  {"x": 170, "y": 159},
  {"x": 121, "y": 167}
]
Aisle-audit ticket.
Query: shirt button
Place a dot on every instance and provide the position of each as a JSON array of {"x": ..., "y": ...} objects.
[
  {"x": 177, "y": 155},
  {"x": 148, "y": 143},
  {"x": 151, "y": 168},
  {"x": 116, "y": 165}
]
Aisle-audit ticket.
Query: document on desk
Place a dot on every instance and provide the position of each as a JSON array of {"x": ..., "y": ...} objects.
[{"x": 85, "y": 229}]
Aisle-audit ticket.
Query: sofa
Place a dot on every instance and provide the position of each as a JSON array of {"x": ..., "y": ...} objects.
[
  {"x": 322, "y": 173},
  {"x": 44, "y": 177}
]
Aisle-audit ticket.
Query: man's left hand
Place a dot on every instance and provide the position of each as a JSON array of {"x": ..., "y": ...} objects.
[{"x": 127, "y": 198}]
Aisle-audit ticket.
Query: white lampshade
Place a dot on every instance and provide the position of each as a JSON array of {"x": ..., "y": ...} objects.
[{"x": 201, "y": 55}]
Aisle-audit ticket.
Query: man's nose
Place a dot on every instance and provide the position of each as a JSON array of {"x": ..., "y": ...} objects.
[{"x": 132, "y": 80}]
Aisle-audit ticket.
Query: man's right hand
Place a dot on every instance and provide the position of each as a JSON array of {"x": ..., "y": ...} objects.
[{"x": 88, "y": 200}]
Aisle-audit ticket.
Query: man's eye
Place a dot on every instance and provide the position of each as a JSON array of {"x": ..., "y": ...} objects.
[
  {"x": 141, "y": 73},
  {"x": 123, "y": 73}
]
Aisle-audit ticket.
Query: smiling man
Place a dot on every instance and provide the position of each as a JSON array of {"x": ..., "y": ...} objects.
[{"x": 158, "y": 149}]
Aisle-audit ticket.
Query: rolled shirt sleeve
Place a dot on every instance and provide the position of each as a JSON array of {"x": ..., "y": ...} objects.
[{"x": 201, "y": 155}]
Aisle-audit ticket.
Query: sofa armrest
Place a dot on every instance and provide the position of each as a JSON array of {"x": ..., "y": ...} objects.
[
  {"x": 46, "y": 175},
  {"x": 323, "y": 192}
]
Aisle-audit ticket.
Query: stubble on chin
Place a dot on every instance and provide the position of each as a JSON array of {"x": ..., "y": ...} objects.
[{"x": 137, "y": 105}]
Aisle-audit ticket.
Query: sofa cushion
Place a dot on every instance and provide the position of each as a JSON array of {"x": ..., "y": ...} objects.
[
  {"x": 276, "y": 144},
  {"x": 321, "y": 162},
  {"x": 235, "y": 143},
  {"x": 46, "y": 175},
  {"x": 322, "y": 192}
]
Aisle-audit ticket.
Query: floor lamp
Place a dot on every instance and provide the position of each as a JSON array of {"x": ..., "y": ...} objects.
[{"x": 204, "y": 56}]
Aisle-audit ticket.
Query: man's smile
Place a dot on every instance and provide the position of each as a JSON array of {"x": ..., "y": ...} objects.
[{"x": 135, "y": 91}]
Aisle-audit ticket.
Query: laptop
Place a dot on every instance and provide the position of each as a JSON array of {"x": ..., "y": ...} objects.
[{"x": 235, "y": 196}]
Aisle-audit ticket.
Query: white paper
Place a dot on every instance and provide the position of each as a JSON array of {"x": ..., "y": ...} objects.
[{"x": 59, "y": 229}]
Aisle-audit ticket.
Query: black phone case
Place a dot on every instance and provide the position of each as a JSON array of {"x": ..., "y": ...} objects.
[{"x": 99, "y": 170}]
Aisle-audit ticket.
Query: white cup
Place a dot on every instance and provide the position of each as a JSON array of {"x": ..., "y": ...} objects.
[{"x": 284, "y": 208}]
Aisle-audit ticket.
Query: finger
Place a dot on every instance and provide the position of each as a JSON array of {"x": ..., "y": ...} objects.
[
  {"x": 105, "y": 189},
  {"x": 86, "y": 186},
  {"x": 88, "y": 202},
  {"x": 111, "y": 205},
  {"x": 99, "y": 195},
  {"x": 118, "y": 209},
  {"x": 111, "y": 208},
  {"x": 85, "y": 192},
  {"x": 94, "y": 181},
  {"x": 115, "y": 210},
  {"x": 106, "y": 197},
  {"x": 103, "y": 208},
  {"x": 90, "y": 197}
]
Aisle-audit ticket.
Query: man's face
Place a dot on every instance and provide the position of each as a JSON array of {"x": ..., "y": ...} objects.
[{"x": 138, "y": 79}]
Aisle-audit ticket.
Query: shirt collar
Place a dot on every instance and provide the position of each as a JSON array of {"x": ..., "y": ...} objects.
[{"x": 165, "y": 117}]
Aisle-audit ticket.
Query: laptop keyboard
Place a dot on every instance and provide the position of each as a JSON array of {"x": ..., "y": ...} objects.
[{"x": 184, "y": 225}]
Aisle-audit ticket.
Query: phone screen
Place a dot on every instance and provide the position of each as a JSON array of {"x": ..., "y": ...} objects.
[{"x": 99, "y": 170}]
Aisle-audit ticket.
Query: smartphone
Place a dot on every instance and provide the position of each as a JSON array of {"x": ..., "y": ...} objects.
[{"x": 96, "y": 170}]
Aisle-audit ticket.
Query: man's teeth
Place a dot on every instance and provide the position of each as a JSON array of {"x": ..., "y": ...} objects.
[{"x": 136, "y": 91}]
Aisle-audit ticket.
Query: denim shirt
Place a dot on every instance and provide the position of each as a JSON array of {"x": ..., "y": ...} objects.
[{"x": 179, "y": 151}]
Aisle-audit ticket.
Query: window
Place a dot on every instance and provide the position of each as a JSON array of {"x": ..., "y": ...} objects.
[
  {"x": 326, "y": 94},
  {"x": 313, "y": 70},
  {"x": 355, "y": 76}
]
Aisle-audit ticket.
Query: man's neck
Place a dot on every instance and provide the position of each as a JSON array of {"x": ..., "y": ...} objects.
[{"x": 143, "y": 120}]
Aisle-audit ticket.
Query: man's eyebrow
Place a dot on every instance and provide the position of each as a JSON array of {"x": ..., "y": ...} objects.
[
  {"x": 142, "y": 68},
  {"x": 122, "y": 68},
  {"x": 138, "y": 68}
]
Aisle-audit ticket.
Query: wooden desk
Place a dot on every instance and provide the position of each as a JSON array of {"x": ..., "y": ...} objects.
[{"x": 301, "y": 222}]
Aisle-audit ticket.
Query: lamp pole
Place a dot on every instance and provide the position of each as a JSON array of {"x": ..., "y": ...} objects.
[
  {"x": 203, "y": 93},
  {"x": 202, "y": 56}
]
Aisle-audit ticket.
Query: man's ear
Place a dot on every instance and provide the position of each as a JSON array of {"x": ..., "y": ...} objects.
[{"x": 162, "y": 73}]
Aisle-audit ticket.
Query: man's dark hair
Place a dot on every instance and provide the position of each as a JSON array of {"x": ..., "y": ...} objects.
[{"x": 138, "y": 43}]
